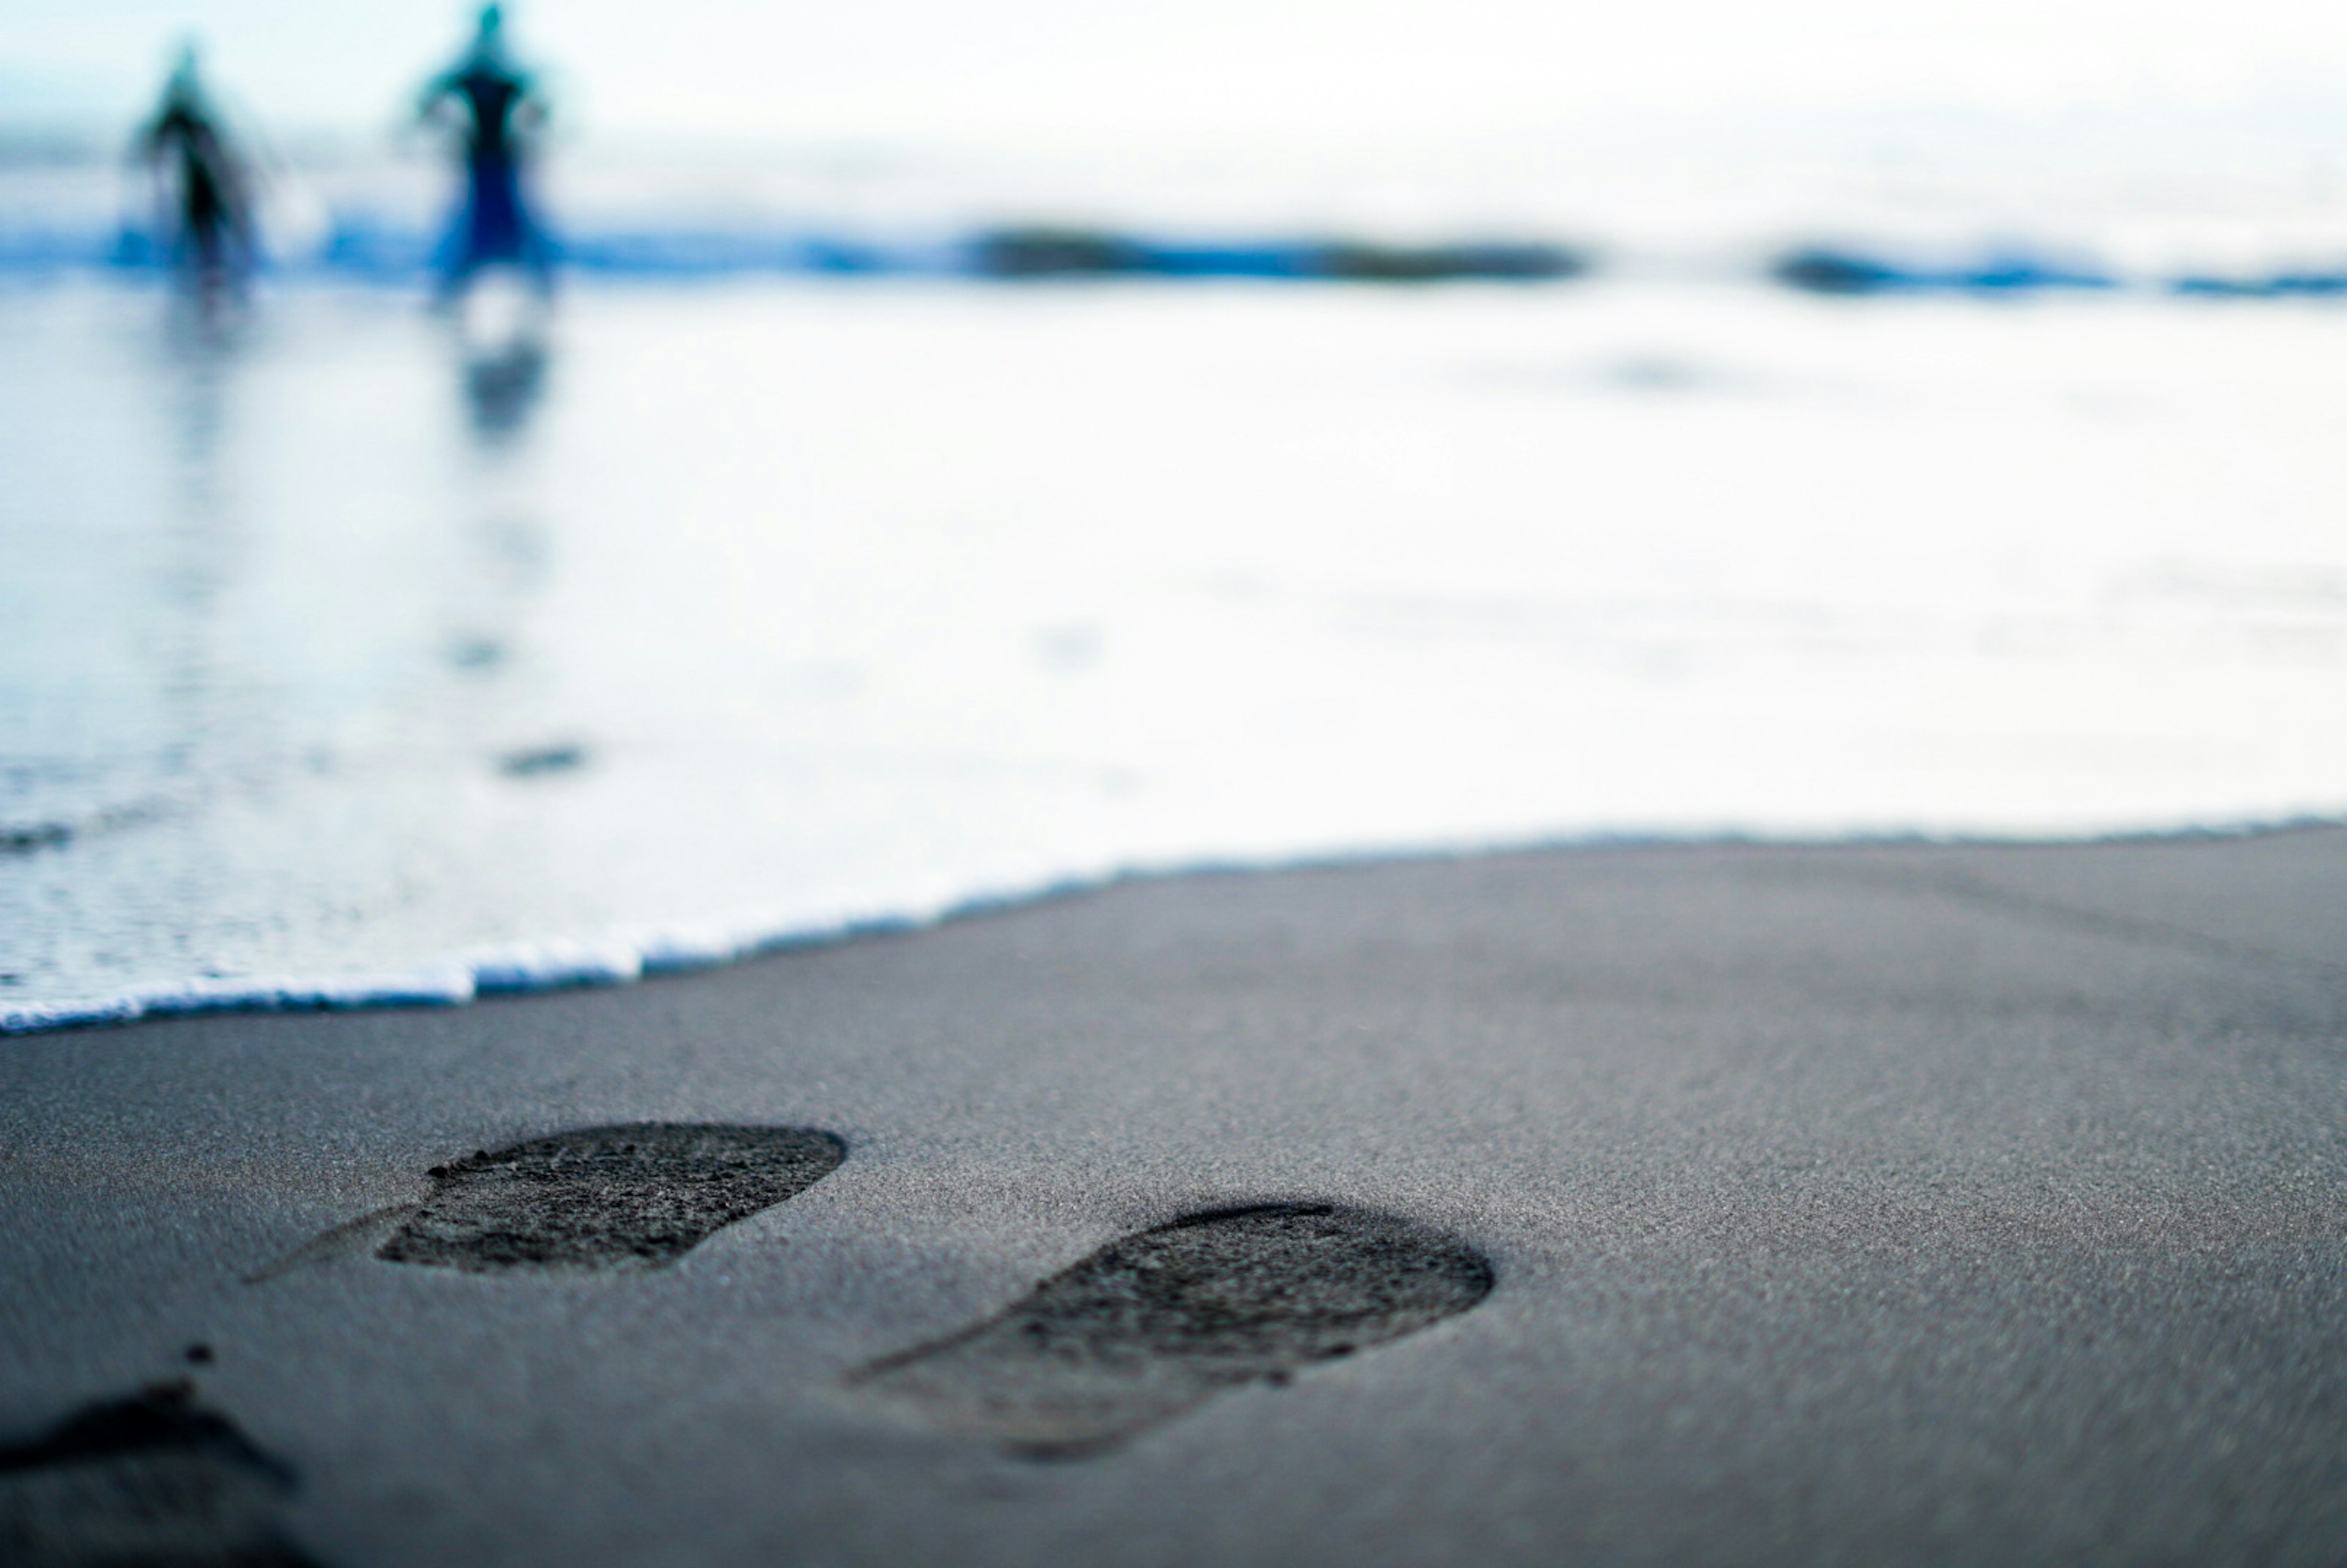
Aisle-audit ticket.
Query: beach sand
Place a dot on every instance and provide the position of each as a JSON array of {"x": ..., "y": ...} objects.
[{"x": 1841, "y": 1206}]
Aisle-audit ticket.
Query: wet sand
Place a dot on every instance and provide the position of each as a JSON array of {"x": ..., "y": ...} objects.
[{"x": 1855, "y": 1204}]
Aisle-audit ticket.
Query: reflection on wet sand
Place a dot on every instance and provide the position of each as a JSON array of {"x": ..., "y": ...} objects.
[{"x": 503, "y": 385}]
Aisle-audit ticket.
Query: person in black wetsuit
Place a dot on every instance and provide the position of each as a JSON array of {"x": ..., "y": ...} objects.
[
  {"x": 185, "y": 144},
  {"x": 497, "y": 108}
]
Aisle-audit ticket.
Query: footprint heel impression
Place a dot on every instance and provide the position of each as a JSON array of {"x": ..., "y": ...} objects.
[
  {"x": 635, "y": 1195},
  {"x": 1157, "y": 1322},
  {"x": 156, "y": 1478}
]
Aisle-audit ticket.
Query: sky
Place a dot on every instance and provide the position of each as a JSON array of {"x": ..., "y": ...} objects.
[{"x": 1200, "y": 71}]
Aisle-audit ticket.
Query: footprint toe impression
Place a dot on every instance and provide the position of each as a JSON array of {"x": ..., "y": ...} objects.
[
  {"x": 639, "y": 1195},
  {"x": 1152, "y": 1324}
]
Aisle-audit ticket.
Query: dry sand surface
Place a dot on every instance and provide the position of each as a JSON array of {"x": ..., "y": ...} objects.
[{"x": 1686, "y": 1205}]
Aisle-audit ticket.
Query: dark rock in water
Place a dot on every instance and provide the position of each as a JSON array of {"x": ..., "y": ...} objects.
[
  {"x": 539, "y": 760},
  {"x": 478, "y": 653},
  {"x": 1047, "y": 253},
  {"x": 154, "y": 1481},
  {"x": 1153, "y": 1324},
  {"x": 1433, "y": 263},
  {"x": 24, "y": 838},
  {"x": 1820, "y": 270},
  {"x": 1831, "y": 272},
  {"x": 2277, "y": 285},
  {"x": 639, "y": 1195}
]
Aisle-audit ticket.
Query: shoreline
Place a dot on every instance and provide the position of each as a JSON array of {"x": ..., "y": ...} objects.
[{"x": 625, "y": 958}]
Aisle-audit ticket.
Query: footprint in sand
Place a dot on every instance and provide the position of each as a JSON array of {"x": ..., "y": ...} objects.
[
  {"x": 153, "y": 1479},
  {"x": 639, "y": 1195},
  {"x": 1152, "y": 1324},
  {"x": 633, "y": 1196}
]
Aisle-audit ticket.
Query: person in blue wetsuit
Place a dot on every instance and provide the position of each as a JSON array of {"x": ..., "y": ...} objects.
[
  {"x": 211, "y": 219},
  {"x": 497, "y": 108}
]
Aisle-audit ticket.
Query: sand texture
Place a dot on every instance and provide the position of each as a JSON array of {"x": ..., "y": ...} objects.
[{"x": 1672, "y": 1205}]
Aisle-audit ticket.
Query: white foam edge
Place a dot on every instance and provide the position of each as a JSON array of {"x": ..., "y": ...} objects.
[{"x": 622, "y": 956}]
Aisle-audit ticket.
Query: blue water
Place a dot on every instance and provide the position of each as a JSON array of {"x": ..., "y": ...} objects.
[{"x": 360, "y": 248}]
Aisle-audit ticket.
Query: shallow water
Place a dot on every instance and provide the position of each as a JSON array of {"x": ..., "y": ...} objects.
[{"x": 346, "y": 654}]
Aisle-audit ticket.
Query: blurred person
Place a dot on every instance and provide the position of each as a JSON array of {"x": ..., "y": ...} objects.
[
  {"x": 494, "y": 106},
  {"x": 204, "y": 182}
]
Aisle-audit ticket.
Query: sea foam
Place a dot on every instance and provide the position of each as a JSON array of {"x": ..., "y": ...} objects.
[{"x": 845, "y": 607}]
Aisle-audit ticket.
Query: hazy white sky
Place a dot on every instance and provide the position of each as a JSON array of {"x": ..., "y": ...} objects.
[{"x": 1191, "y": 70}]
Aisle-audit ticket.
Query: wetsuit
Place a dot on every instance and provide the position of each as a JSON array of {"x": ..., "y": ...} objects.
[
  {"x": 212, "y": 210},
  {"x": 496, "y": 223}
]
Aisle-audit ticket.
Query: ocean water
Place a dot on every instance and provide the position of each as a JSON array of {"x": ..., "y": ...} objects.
[{"x": 349, "y": 654}]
